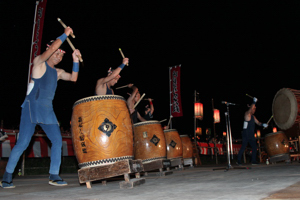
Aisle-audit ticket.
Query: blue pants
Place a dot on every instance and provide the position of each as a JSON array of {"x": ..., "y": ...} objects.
[
  {"x": 25, "y": 134},
  {"x": 252, "y": 143}
]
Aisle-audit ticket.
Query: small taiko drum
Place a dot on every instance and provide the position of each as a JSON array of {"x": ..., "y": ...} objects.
[
  {"x": 285, "y": 108},
  {"x": 277, "y": 146},
  {"x": 187, "y": 146},
  {"x": 174, "y": 144},
  {"x": 101, "y": 130},
  {"x": 149, "y": 141}
]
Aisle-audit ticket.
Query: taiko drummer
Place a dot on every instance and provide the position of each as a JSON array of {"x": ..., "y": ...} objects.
[
  {"x": 37, "y": 108},
  {"x": 103, "y": 86},
  {"x": 248, "y": 132},
  {"x": 131, "y": 101}
]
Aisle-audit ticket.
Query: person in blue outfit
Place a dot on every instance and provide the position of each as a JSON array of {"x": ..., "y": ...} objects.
[
  {"x": 248, "y": 133},
  {"x": 103, "y": 86},
  {"x": 37, "y": 108}
]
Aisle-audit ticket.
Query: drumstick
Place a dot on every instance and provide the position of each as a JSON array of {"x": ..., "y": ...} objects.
[
  {"x": 122, "y": 87},
  {"x": 270, "y": 119},
  {"x": 122, "y": 55},
  {"x": 170, "y": 120},
  {"x": 72, "y": 46},
  {"x": 65, "y": 26},
  {"x": 139, "y": 100},
  {"x": 163, "y": 120},
  {"x": 249, "y": 96},
  {"x": 148, "y": 99}
]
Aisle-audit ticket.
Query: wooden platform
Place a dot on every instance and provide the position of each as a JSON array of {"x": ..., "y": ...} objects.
[
  {"x": 157, "y": 165},
  {"x": 124, "y": 167},
  {"x": 177, "y": 163},
  {"x": 188, "y": 162}
]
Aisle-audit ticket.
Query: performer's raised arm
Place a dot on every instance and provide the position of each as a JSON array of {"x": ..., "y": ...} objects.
[{"x": 103, "y": 86}]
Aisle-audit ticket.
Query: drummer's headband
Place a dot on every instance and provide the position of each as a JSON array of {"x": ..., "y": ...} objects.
[
  {"x": 109, "y": 70},
  {"x": 50, "y": 43}
]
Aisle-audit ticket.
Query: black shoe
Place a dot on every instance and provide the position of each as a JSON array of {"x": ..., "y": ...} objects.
[
  {"x": 238, "y": 163},
  {"x": 255, "y": 163}
]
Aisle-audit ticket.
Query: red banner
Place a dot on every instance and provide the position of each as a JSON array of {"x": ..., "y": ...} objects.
[
  {"x": 176, "y": 108},
  {"x": 37, "y": 31}
]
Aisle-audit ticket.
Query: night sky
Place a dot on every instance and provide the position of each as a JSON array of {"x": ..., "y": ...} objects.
[{"x": 226, "y": 49}]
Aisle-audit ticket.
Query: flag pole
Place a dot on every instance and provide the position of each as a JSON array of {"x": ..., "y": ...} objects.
[
  {"x": 34, "y": 22},
  {"x": 170, "y": 82}
]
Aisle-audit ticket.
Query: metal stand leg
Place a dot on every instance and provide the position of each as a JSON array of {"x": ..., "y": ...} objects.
[{"x": 229, "y": 144}]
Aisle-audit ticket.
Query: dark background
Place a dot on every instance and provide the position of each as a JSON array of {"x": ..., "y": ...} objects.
[{"x": 226, "y": 49}]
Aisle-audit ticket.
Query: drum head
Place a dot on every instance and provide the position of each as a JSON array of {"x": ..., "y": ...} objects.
[{"x": 285, "y": 108}]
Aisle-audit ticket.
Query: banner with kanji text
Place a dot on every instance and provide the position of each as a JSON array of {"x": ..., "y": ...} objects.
[{"x": 175, "y": 95}]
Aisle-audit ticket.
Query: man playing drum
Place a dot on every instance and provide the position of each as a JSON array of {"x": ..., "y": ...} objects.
[
  {"x": 37, "y": 109},
  {"x": 103, "y": 86},
  {"x": 248, "y": 133},
  {"x": 131, "y": 101}
]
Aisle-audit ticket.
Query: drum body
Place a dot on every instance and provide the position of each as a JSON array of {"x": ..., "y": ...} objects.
[
  {"x": 285, "y": 108},
  {"x": 277, "y": 146},
  {"x": 187, "y": 146},
  {"x": 101, "y": 130},
  {"x": 174, "y": 144},
  {"x": 149, "y": 141}
]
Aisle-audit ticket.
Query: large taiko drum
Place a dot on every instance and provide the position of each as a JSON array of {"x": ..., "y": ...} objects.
[
  {"x": 187, "y": 146},
  {"x": 277, "y": 146},
  {"x": 101, "y": 130},
  {"x": 285, "y": 108},
  {"x": 174, "y": 144},
  {"x": 149, "y": 141}
]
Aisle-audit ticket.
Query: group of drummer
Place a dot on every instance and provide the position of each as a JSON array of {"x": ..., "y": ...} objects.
[{"x": 104, "y": 87}]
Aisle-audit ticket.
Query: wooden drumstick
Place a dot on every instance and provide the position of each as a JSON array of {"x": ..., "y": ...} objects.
[
  {"x": 169, "y": 120},
  {"x": 122, "y": 87},
  {"x": 163, "y": 120},
  {"x": 270, "y": 119},
  {"x": 139, "y": 100},
  {"x": 65, "y": 26},
  {"x": 122, "y": 55},
  {"x": 249, "y": 96},
  {"x": 72, "y": 46}
]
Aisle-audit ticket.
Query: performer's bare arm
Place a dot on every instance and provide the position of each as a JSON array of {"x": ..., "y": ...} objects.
[
  {"x": 130, "y": 100},
  {"x": 101, "y": 83},
  {"x": 151, "y": 106},
  {"x": 39, "y": 66},
  {"x": 63, "y": 75},
  {"x": 140, "y": 117}
]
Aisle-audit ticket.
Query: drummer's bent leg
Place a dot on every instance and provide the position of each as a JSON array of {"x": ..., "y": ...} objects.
[
  {"x": 53, "y": 133},
  {"x": 26, "y": 131}
]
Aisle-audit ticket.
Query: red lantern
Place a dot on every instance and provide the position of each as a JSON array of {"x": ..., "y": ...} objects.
[
  {"x": 199, "y": 131},
  {"x": 198, "y": 107},
  {"x": 258, "y": 133},
  {"x": 216, "y": 116},
  {"x": 274, "y": 130}
]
